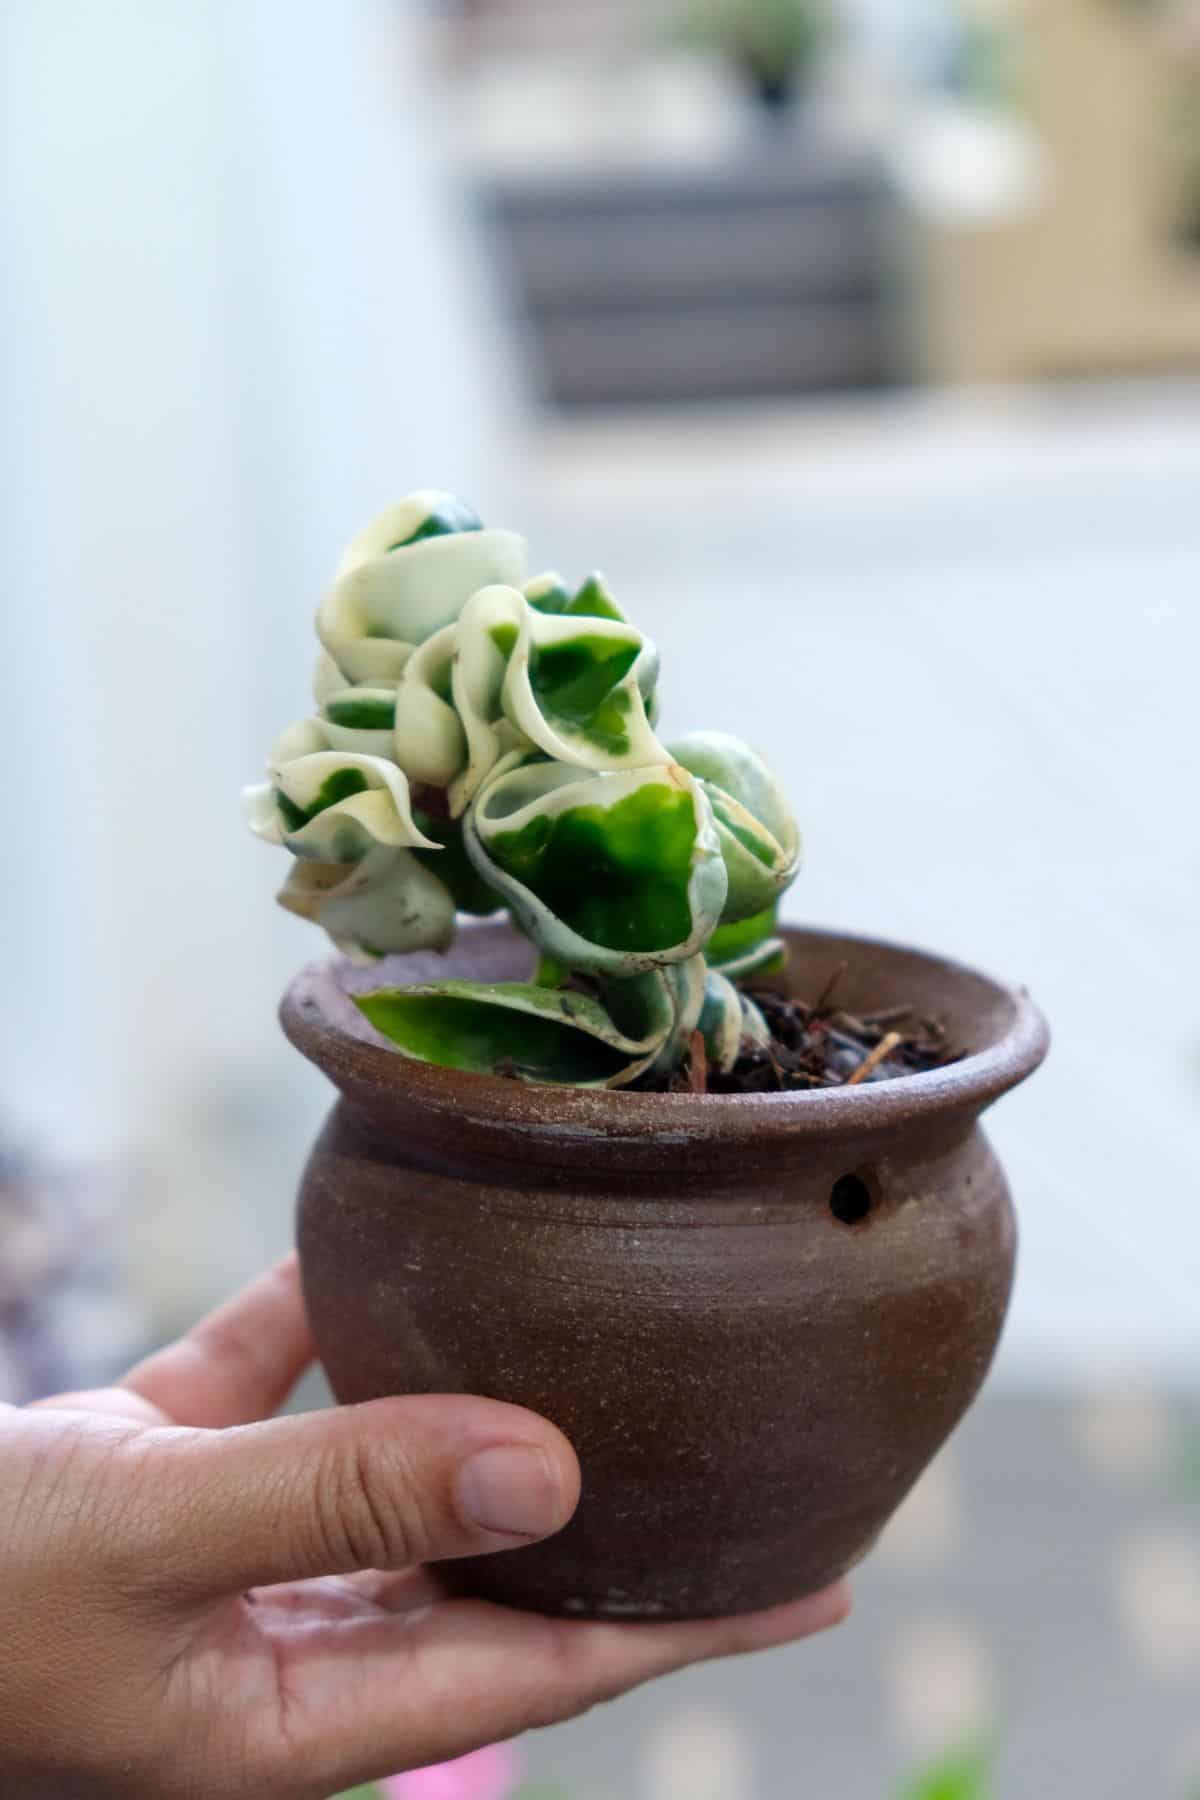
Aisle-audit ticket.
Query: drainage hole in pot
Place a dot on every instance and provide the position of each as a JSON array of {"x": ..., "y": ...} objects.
[{"x": 850, "y": 1201}]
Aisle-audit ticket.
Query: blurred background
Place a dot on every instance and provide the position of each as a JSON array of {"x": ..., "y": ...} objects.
[{"x": 871, "y": 327}]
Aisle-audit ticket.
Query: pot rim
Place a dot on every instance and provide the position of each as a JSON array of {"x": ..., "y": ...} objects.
[{"x": 322, "y": 1023}]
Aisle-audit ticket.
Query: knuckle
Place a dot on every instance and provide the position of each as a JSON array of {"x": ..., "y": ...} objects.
[{"x": 372, "y": 1508}]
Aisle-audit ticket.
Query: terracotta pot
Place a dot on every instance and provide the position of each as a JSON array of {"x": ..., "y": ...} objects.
[{"x": 756, "y": 1317}]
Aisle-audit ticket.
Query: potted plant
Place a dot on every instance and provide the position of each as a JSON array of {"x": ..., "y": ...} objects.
[
  {"x": 708, "y": 1193},
  {"x": 773, "y": 44}
]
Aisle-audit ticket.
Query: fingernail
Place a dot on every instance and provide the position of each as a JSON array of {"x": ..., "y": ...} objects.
[{"x": 513, "y": 1491}]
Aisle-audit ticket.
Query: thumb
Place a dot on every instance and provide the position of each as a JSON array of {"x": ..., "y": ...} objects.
[{"x": 379, "y": 1486}]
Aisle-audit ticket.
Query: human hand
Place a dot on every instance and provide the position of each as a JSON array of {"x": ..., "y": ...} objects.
[{"x": 194, "y": 1604}]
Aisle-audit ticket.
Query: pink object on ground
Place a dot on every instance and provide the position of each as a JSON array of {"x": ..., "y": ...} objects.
[{"x": 490, "y": 1774}]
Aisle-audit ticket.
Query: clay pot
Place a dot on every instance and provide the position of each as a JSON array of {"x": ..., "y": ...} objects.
[{"x": 756, "y": 1317}]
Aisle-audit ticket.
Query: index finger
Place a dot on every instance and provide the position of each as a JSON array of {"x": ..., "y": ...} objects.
[{"x": 237, "y": 1365}]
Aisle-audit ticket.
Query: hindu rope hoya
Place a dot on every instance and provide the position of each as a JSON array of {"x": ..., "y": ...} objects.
[{"x": 483, "y": 741}]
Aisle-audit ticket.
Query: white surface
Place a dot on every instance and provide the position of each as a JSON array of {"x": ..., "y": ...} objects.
[{"x": 240, "y": 314}]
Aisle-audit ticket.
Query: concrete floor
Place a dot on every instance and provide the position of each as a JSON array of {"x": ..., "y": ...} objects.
[{"x": 1039, "y": 1593}]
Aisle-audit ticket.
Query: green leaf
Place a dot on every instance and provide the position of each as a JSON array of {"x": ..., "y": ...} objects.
[
  {"x": 429, "y": 742},
  {"x": 387, "y": 903},
  {"x": 364, "y": 709},
  {"x": 768, "y": 958},
  {"x": 576, "y": 684},
  {"x": 746, "y": 829},
  {"x": 686, "y": 986},
  {"x": 964, "y": 1775},
  {"x": 333, "y": 806},
  {"x": 730, "y": 941},
  {"x": 454, "y": 868},
  {"x": 748, "y": 948},
  {"x": 341, "y": 785},
  {"x": 591, "y": 600},
  {"x": 606, "y": 871},
  {"x": 444, "y": 516},
  {"x": 358, "y": 721},
  {"x": 574, "y": 688},
  {"x": 594, "y": 601},
  {"x": 760, "y": 841},
  {"x": 548, "y": 594},
  {"x": 405, "y": 578},
  {"x": 488, "y": 633},
  {"x": 518, "y": 1029}
]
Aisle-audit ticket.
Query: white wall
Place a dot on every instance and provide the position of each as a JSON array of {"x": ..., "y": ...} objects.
[{"x": 242, "y": 311}]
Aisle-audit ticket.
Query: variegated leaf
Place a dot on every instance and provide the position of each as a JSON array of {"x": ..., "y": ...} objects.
[
  {"x": 533, "y": 1033},
  {"x": 430, "y": 744},
  {"x": 685, "y": 984},
  {"x": 360, "y": 720},
  {"x": 592, "y": 599},
  {"x": 760, "y": 841},
  {"x": 573, "y": 688},
  {"x": 391, "y": 902},
  {"x": 726, "y": 1018},
  {"x": 617, "y": 872},
  {"x": 328, "y": 806},
  {"x": 749, "y": 947},
  {"x": 488, "y": 628},
  {"x": 407, "y": 576}
]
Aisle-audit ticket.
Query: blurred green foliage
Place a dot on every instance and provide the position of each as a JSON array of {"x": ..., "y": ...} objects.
[
  {"x": 773, "y": 36},
  {"x": 964, "y": 1775}
]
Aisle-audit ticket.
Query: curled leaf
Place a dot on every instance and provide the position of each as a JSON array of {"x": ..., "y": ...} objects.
[
  {"x": 548, "y": 593},
  {"x": 454, "y": 868},
  {"x": 749, "y": 947},
  {"x": 760, "y": 840},
  {"x": 407, "y": 576},
  {"x": 487, "y": 631},
  {"x": 617, "y": 872},
  {"x": 767, "y": 957},
  {"x": 574, "y": 688},
  {"x": 726, "y": 1018},
  {"x": 390, "y": 902},
  {"x": 430, "y": 744},
  {"x": 520, "y": 1029},
  {"x": 685, "y": 986},
  {"x": 328, "y": 806},
  {"x": 360, "y": 720},
  {"x": 592, "y": 599}
]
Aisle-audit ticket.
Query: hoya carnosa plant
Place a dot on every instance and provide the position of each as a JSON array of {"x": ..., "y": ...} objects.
[{"x": 481, "y": 741}]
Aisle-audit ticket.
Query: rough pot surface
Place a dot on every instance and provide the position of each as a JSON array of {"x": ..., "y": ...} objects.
[{"x": 752, "y": 1381}]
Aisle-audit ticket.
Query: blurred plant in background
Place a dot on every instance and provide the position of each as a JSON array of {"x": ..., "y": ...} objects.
[
  {"x": 981, "y": 64},
  {"x": 962, "y": 1775},
  {"x": 774, "y": 44}
]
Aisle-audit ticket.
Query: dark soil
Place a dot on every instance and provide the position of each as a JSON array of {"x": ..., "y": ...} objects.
[{"x": 818, "y": 1046}]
